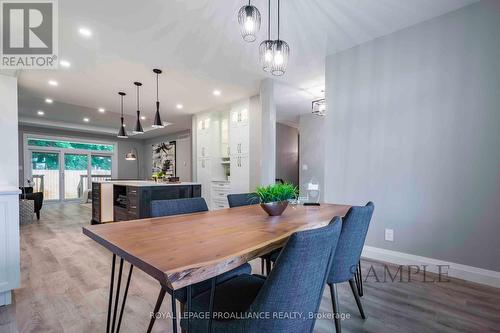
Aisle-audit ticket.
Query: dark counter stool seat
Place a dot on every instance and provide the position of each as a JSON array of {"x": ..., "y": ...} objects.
[{"x": 290, "y": 288}]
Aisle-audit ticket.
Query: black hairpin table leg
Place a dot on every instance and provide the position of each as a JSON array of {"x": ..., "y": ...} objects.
[{"x": 113, "y": 304}]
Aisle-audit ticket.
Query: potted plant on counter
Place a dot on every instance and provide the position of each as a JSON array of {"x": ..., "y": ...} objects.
[{"x": 274, "y": 198}]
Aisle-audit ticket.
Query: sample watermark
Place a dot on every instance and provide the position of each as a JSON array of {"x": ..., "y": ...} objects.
[
  {"x": 29, "y": 34},
  {"x": 405, "y": 273}
]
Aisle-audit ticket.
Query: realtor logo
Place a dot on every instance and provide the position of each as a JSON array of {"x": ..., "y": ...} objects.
[{"x": 29, "y": 37}]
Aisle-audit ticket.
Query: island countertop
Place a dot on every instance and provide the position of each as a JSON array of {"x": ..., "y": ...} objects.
[{"x": 145, "y": 183}]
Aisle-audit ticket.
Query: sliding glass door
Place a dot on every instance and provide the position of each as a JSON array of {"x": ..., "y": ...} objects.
[
  {"x": 65, "y": 170},
  {"x": 45, "y": 174}
]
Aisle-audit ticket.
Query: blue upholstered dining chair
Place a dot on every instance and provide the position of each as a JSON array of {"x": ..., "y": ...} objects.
[
  {"x": 246, "y": 199},
  {"x": 294, "y": 286},
  {"x": 348, "y": 253},
  {"x": 242, "y": 199},
  {"x": 347, "y": 256},
  {"x": 186, "y": 206},
  {"x": 178, "y": 206}
]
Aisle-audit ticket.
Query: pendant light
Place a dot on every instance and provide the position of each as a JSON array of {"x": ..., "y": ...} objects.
[
  {"x": 138, "y": 126},
  {"x": 157, "y": 122},
  {"x": 281, "y": 51},
  {"x": 249, "y": 21},
  {"x": 121, "y": 132},
  {"x": 266, "y": 47}
]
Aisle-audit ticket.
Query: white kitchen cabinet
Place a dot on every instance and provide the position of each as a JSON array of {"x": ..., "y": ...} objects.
[{"x": 9, "y": 243}]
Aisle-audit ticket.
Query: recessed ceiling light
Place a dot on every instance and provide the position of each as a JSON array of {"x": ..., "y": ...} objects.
[
  {"x": 101, "y": 110},
  {"x": 86, "y": 120},
  {"x": 53, "y": 83},
  {"x": 65, "y": 63},
  {"x": 85, "y": 32},
  {"x": 49, "y": 101},
  {"x": 179, "y": 106},
  {"x": 40, "y": 113},
  {"x": 217, "y": 92},
  {"x": 143, "y": 118}
]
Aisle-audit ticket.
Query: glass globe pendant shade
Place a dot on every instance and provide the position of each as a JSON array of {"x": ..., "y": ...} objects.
[
  {"x": 249, "y": 21},
  {"x": 266, "y": 55},
  {"x": 281, "y": 52}
]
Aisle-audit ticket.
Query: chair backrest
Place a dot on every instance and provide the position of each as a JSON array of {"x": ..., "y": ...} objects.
[
  {"x": 297, "y": 281},
  {"x": 352, "y": 238},
  {"x": 243, "y": 199},
  {"x": 177, "y": 206}
]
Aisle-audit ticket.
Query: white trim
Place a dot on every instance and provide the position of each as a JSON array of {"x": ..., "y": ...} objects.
[
  {"x": 5, "y": 297},
  {"x": 464, "y": 272}
]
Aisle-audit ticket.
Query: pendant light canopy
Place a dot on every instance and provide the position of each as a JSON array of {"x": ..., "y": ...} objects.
[
  {"x": 266, "y": 47},
  {"x": 157, "y": 122},
  {"x": 138, "y": 126},
  {"x": 281, "y": 51},
  {"x": 121, "y": 132},
  {"x": 249, "y": 20}
]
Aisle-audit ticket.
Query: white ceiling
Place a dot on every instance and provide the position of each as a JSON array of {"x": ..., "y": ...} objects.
[{"x": 198, "y": 45}]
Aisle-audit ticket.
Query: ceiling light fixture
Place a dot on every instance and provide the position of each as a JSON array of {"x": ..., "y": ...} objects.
[
  {"x": 85, "y": 32},
  {"x": 217, "y": 92},
  {"x": 281, "y": 52},
  {"x": 86, "y": 119},
  {"x": 121, "y": 132},
  {"x": 65, "y": 63},
  {"x": 138, "y": 126},
  {"x": 157, "y": 122},
  {"x": 249, "y": 21},
  {"x": 266, "y": 47},
  {"x": 49, "y": 101},
  {"x": 179, "y": 106},
  {"x": 53, "y": 83},
  {"x": 143, "y": 118},
  {"x": 40, "y": 113},
  {"x": 101, "y": 110}
]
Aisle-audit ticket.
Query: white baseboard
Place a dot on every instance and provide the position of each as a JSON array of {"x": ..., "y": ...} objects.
[
  {"x": 5, "y": 297},
  {"x": 464, "y": 272}
]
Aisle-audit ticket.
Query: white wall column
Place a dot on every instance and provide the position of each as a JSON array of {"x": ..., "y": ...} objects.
[
  {"x": 268, "y": 144},
  {"x": 9, "y": 191}
]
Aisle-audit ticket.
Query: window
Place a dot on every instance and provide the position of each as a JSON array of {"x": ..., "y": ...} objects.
[{"x": 69, "y": 145}]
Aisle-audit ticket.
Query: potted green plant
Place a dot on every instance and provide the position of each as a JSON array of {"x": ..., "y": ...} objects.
[{"x": 274, "y": 198}]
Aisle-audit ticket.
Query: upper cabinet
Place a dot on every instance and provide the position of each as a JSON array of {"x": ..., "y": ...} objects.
[{"x": 222, "y": 152}]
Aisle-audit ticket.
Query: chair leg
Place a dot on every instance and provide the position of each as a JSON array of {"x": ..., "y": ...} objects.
[
  {"x": 360, "y": 280},
  {"x": 262, "y": 261},
  {"x": 356, "y": 297},
  {"x": 335, "y": 305},
  {"x": 268, "y": 266},
  {"x": 38, "y": 215}
]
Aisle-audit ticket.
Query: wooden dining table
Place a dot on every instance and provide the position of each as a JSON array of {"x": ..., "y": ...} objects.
[{"x": 182, "y": 250}]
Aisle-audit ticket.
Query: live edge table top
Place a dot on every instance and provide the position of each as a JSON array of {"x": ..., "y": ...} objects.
[{"x": 185, "y": 249}]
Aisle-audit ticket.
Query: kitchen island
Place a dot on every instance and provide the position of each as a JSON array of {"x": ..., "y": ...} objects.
[{"x": 124, "y": 200}]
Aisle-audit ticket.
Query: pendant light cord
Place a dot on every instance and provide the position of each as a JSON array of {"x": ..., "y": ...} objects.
[
  {"x": 137, "y": 98},
  {"x": 157, "y": 87},
  {"x": 122, "y": 105},
  {"x": 269, "y": 20},
  {"x": 278, "y": 19}
]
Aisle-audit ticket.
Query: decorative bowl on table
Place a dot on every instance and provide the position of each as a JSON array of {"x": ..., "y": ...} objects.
[{"x": 274, "y": 198}]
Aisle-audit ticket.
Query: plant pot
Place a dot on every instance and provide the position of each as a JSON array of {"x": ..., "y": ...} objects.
[{"x": 274, "y": 208}]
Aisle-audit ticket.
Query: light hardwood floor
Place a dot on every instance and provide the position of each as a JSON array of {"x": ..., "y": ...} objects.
[{"x": 65, "y": 278}]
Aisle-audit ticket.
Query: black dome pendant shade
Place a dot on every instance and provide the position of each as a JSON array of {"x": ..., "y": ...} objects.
[
  {"x": 138, "y": 127},
  {"x": 121, "y": 132},
  {"x": 157, "y": 122}
]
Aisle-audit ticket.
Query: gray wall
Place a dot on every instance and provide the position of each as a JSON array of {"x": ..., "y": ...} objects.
[
  {"x": 125, "y": 169},
  {"x": 312, "y": 152},
  {"x": 287, "y": 153},
  {"x": 183, "y": 154},
  {"x": 414, "y": 125}
]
